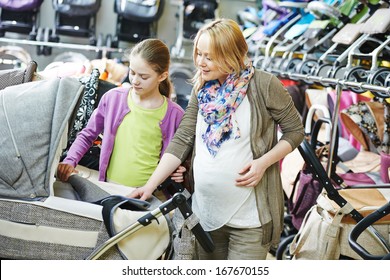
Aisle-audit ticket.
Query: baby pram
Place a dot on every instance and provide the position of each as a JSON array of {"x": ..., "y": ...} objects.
[
  {"x": 19, "y": 17},
  {"x": 136, "y": 20},
  {"x": 45, "y": 219}
]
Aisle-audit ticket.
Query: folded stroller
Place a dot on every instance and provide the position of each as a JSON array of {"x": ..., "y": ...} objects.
[
  {"x": 76, "y": 18},
  {"x": 19, "y": 17},
  {"x": 42, "y": 218},
  {"x": 196, "y": 14},
  {"x": 136, "y": 21}
]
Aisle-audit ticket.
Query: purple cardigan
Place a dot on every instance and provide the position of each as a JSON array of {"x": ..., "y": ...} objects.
[{"x": 106, "y": 118}]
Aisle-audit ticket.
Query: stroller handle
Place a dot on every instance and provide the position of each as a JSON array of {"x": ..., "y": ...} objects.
[{"x": 361, "y": 226}]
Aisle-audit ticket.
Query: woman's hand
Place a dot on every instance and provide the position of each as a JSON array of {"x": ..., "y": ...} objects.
[
  {"x": 178, "y": 175},
  {"x": 251, "y": 174},
  {"x": 64, "y": 170}
]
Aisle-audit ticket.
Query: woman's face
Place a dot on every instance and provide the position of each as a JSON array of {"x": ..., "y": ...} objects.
[
  {"x": 204, "y": 61},
  {"x": 143, "y": 78}
]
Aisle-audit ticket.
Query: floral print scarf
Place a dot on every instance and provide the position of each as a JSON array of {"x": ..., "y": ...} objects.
[{"x": 218, "y": 103}]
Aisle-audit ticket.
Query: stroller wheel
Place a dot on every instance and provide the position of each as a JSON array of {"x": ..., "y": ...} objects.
[
  {"x": 32, "y": 36},
  {"x": 306, "y": 67},
  {"x": 99, "y": 44},
  {"x": 258, "y": 62},
  {"x": 40, "y": 38},
  {"x": 338, "y": 72},
  {"x": 283, "y": 251},
  {"x": 387, "y": 81},
  {"x": 46, "y": 50},
  {"x": 93, "y": 40},
  {"x": 266, "y": 62},
  {"x": 277, "y": 68},
  {"x": 290, "y": 65},
  {"x": 115, "y": 42},
  {"x": 357, "y": 74},
  {"x": 323, "y": 71},
  {"x": 272, "y": 64},
  {"x": 378, "y": 78},
  {"x": 108, "y": 44}
]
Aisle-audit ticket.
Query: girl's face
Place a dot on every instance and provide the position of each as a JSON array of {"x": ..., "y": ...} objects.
[
  {"x": 143, "y": 78},
  {"x": 204, "y": 61}
]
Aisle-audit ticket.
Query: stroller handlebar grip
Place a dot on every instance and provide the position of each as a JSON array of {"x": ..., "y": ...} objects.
[{"x": 361, "y": 226}]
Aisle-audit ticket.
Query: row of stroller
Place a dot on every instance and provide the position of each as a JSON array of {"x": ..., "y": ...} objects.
[
  {"x": 336, "y": 49},
  {"x": 345, "y": 40},
  {"x": 136, "y": 20}
]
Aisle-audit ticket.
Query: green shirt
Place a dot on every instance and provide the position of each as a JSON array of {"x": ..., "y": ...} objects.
[{"x": 137, "y": 145}]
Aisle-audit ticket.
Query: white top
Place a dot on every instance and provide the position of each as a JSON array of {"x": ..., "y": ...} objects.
[{"x": 217, "y": 201}]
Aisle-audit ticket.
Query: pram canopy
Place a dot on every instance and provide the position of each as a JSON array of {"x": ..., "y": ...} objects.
[{"x": 30, "y": 140}]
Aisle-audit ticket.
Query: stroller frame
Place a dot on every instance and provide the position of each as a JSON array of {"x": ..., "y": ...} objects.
[
  {"x": 333, "y": 194},
  {"x": 179, "y": 201}
]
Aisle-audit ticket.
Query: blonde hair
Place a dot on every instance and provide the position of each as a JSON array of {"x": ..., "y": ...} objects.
[
  {"x": 228, "y": 48},
  {"x": 157, "y": 55}
]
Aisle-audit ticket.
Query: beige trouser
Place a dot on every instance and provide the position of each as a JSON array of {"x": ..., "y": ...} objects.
[{"x": 235, "y": 244}]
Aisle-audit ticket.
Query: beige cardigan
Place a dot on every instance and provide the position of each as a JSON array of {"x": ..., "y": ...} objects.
[{"x": 271, "y": 105}]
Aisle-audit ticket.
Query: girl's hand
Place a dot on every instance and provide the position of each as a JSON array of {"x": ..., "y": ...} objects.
[
  {"x": 251, "y": 174},
  {"x": 64, "y": 170}
]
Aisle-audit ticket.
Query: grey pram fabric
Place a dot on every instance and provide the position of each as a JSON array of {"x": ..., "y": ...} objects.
[
  {"x": 21, "y": 245},
  {"x": 13, "y": 77},
  {"x": 28, "y": 149}
]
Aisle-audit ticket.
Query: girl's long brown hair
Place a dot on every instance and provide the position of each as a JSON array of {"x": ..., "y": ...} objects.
[{"x": 156, "y": 54}]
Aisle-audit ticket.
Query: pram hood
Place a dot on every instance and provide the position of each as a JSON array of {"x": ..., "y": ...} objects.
[{"x": 31, "y": 133}]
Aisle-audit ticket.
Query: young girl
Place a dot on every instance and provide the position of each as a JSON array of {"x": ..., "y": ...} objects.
[
  {"x": 232, "y": 120},
  {"x": 136, "y": 124}
]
